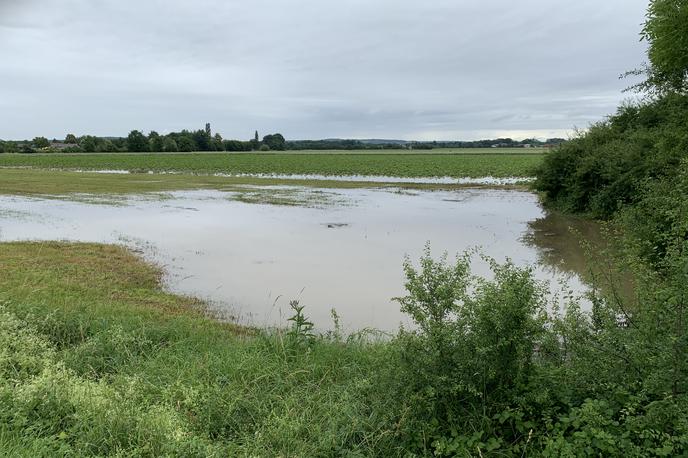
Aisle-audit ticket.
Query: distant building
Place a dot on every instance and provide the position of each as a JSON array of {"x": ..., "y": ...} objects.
[{"x": 62, "y": 145}]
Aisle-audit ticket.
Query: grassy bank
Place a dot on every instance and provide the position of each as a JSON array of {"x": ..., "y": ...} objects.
[
  {"x": 398, "y": 165},
  {"x": 98, "y": 360}
]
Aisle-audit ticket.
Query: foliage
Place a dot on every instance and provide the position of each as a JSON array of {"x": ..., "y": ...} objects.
[
  {"x": 186, "y": 144},
  {"x": 275, "y": 142},
  {"x": 169, "y": 145},
  {"x": 472, "y": 353},
  {"x": 300, "y": 335},
  {"x": 666, "y": 31},
  {"x": 155, "y": 142},
  {"x": 398, "y": 165},
  {"x": 88, "y": 143},
  {"x": 137, "y": 142},
  {"x": 40, "y": 142},
  {"x": 99, "y": 361},
  {"x": 602, "y": 170},
  {"x": 629, "y": 359}
]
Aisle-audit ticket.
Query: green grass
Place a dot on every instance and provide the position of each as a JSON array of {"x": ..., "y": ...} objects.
[
  {"x": 388, "y": 164},
  {"x": 38, "y": 182},
  {"x": 127, "y": 369}
]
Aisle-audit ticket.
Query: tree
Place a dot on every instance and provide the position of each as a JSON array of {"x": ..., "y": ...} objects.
[
  {"x": 137, "y": 142},
  {"x": 236, "y": 145},
  {"x": 217, "y": 144},
  {"x": 255, "y": 143},
  {"x": 276, "y": 142},
  {"x": 666, "y": 31},
  {"x": 26, "y": 148},
  {"x": 107, "y": 147},
  {"x": 8, "y": 147},
  {"x": 202, "y": 140},
  {"x": 88, "y": 143},
  {"x": 154, "y": 141},
  {"x": 169, "y": 145},
  {"x": 71, "y": 139},
  {"x": 186, "y": 144},
  {"x": 40, "y": 142}
]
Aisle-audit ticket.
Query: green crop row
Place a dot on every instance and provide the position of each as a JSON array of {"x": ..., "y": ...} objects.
[{"x": 397, "y": 165}]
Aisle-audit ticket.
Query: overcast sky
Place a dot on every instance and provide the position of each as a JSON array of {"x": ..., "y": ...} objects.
[{"x": 421, "y": 69}]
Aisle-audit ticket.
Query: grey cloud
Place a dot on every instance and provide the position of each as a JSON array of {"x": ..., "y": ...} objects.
[{"x": 312, "y": 69}]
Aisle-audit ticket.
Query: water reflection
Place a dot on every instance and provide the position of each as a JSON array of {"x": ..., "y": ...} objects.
[
  {"x": 579, "y": 246},
  {"x": 560, "y": 239}
]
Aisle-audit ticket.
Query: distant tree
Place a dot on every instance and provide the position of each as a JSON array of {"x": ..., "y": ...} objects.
[
  {"x": 2, "y": 147},
  {"x": 106, "y": 146},
  {"x": 9, "y": 147},
  {"x": 137, "y": 142},
  {"x": 155, "y": 141},
  {"x": 40, "y": 142},
  {"x": 186, "y": 144},
  {"x": 276, "y": 142},
  {"x": 207, "y": 130},
  {"x": 202, "y": 140},
  {"x": 120, "y": 144},
  {"x": 236, "y": 145},
  {"x": 555, "y": 140},
  {"x": 216, "y": 144},
  {"x": 88, "y": 143},
  {"x": 264, "y": 148},
  {"x": 71, "y": 139},
  {"x": 26, "y": 148},
  {"x": 255, "y": 142},
  {"x": 169, "y": 145}
]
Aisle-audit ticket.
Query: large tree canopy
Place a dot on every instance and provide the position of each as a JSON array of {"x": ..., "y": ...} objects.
[{"x": 666, "y": 31}]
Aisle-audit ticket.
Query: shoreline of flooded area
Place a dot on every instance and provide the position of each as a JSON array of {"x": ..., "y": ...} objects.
[
  {"x": 249, "y": 258},
  {"x": 383, "y": 179}
]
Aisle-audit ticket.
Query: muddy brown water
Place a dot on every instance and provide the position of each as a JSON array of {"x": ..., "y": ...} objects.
[{"x": 343, "y": 249}]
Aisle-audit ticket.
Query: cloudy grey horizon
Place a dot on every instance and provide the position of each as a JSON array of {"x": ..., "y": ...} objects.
[{"x": 413, "y": 70}]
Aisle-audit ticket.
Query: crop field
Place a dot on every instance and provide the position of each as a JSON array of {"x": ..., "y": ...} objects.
[
  {"x": 498, "y": 165},
  {"x": 536, "y": 150}
]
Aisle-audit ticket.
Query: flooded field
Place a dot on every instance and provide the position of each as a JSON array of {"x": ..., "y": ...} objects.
[{"x": 250, "y": 253}]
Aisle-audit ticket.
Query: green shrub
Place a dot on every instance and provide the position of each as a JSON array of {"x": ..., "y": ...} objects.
[
  {"x": 472, "y": 354},
  {"x": 602, "y": 170}
]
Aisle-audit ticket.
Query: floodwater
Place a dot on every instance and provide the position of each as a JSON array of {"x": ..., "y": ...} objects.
[
  {"x": 486, "y": 180},
  {"x": 342, "y": 250}
]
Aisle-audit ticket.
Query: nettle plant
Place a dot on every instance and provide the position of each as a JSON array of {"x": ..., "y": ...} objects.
[{"x": 300, "y": 334}]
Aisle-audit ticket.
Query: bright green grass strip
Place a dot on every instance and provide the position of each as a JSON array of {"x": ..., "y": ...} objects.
[{"x": 398, "y": 165}]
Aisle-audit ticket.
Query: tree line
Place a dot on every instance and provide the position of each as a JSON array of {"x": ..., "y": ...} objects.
[
  {"x": 204, "y": 140},
  {"x": 137, "y": 141}
]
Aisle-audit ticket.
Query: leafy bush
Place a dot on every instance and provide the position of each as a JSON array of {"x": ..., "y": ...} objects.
[
  {"x": 602, "y": 170},
  {"x": 473, "y": 352}
]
